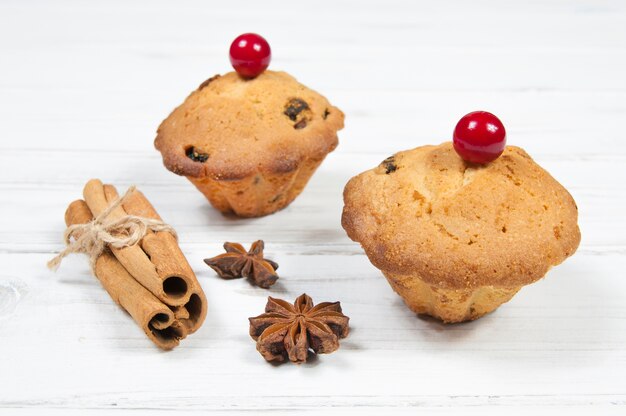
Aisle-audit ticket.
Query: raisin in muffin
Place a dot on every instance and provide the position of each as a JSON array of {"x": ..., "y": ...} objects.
[
  {"x": 458, "y": 240},
  {"x": 249, "y": 145}
]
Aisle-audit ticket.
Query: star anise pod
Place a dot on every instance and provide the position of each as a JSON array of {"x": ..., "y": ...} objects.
[
  {"x": 287, "y": 331},
  {"x": 237, "y": 262}
]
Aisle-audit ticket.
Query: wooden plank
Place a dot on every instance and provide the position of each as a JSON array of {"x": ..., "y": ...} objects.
[
  {"x": 83, "y": 88},
  {"x": 564, "y": 331}
]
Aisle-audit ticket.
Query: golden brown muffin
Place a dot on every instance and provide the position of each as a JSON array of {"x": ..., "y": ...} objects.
[
  {"x": 458, "y": 240},
  {"x": 249, "y": 145}
]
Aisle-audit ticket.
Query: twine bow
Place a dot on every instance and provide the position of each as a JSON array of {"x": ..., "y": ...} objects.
[{"x": 95, "y": 236}]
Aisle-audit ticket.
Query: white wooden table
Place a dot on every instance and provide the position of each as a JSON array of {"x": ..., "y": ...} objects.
[{"x": 82, "y": 90}]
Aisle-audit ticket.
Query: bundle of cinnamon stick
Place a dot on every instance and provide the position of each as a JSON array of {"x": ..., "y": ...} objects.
[{"x": 152, "y": 279}]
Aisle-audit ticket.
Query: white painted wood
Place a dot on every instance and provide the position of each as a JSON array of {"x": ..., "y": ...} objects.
[{"x": 82, "y": 89}]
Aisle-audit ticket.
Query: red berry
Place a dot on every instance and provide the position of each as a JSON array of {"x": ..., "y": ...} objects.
[
  {"x": 250, "y": 55},
  {"x": 479, "y": 137}
]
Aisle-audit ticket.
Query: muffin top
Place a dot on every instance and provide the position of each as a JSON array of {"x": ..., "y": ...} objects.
[
  {"x": 428, "y": 213},
  {"x": 231, "y": 127}
]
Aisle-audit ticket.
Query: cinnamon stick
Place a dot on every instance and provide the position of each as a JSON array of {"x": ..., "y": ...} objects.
[
  {"x": 170, "y": 263},
  {"x": 174, "y": 292},
  {"x": 155, "y": 318}
]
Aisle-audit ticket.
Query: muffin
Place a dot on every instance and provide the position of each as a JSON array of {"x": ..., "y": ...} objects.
[
  {"x": 457, "y": 240},
  {"x": 249, "y": 145}
]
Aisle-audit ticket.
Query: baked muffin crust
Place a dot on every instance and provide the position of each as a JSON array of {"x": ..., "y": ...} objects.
[
  {"x": 425, "y": 212},
  {"x": 231, "y": 128}
]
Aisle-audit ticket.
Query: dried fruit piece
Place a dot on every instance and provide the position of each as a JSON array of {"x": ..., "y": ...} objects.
[
  {"x": 294, "y": 107},
  {"x": 299, "y": 111},
  {"x": 195, "y": 155},
  {"x": 390, "y": 164}
]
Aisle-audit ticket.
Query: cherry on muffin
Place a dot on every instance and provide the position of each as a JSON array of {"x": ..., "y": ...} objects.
[
  {"x": 250, "y": 55},
  {"x": 479, "y": 137}
]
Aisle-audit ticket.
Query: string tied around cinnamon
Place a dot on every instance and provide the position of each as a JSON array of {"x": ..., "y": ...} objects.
[{"x": 95, "y": 236}]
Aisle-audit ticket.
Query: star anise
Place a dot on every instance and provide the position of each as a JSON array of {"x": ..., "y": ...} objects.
[
  {"x": 287, "y": 331},
  {"x": 237, "y": 262}
]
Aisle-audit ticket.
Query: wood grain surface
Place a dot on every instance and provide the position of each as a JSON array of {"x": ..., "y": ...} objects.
[{"x": 83, "y": 87}]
